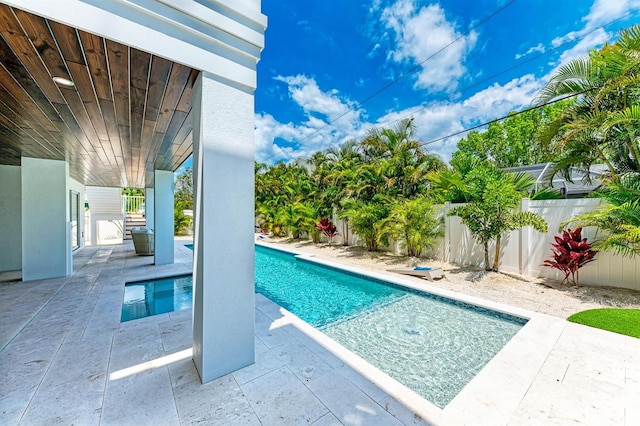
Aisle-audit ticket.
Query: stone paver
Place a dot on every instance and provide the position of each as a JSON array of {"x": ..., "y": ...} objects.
[{"x": 67, "y": 359}]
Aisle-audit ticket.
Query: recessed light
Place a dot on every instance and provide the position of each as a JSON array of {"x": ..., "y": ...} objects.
[{"x": 63, "y": 81}]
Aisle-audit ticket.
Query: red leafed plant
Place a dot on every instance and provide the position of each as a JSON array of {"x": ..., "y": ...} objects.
[
  {"x": 570, "y": 253},
  {"x": 328, "y": 228}
]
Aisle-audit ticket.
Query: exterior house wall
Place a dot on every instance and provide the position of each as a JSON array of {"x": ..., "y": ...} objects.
[
  {"x": 107, "y": 217},
  {"x": 10, "y": 218},
  {"x": 46, "y": 245}
]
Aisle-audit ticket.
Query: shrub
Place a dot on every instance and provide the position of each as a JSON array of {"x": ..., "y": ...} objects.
[
  {"x": 327, "y": 228},
  {"x": 570, "y": 253}
]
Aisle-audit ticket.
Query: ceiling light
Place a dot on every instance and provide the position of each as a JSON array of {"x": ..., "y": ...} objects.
[{"x": 63, "y": 81}]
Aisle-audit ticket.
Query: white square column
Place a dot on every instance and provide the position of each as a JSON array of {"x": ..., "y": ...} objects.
[
  {"x": 46, "y": 230},
  {"x": 163, "y": 217},
  {"x": 224, "y": 290},
  {"x": 10, "y": 218}
]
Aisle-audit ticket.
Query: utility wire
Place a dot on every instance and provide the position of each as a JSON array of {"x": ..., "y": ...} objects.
[
  {"x": 511, "y": 68},
  {"x": 521, "y": 63},
  {"x": 411, "y": 70},
  {"x": 511, "y": 114}
]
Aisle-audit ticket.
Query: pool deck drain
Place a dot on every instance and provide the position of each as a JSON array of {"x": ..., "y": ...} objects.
[{"x": 68, "y": 359}]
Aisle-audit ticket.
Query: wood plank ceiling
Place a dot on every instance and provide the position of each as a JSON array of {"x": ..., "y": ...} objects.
[{"x": 128, "y": 113}]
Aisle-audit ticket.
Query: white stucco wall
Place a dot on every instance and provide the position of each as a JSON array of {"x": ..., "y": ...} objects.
[
  {"x": 45, "y": 226},
  {"x": 10, "y": 218},
  {"x": 149, "y": 208}
]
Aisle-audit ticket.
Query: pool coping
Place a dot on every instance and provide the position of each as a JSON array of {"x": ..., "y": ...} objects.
[{"x": 491, "y": 392}]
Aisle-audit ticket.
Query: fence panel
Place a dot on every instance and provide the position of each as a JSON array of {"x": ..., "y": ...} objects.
[{"x": 525, "y": 251}]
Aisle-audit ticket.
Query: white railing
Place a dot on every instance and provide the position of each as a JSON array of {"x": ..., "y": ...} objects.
[{"x": 133, "y": 204}]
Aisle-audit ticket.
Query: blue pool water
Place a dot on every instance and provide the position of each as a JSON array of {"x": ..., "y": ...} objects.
[
  {"x": 431, "y": 344},
  {"x": 155, "y": 297}
]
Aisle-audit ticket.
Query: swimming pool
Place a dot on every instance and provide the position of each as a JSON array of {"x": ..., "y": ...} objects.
[
  {"x": 431, "y": 344},
  {"x": 155, "y": 297}
]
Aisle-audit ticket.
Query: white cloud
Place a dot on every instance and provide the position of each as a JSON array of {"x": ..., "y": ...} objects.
[
  {"x": 419, "y": 33},
  {"x": 306, "y": 93},
  {"x": 539, "y": 48},
  {"x": 433, "y": 120},
  {"x": 592, "y": 40},
  {"x": 601, "y": 13},
  {"x": 277, "y": 141}
]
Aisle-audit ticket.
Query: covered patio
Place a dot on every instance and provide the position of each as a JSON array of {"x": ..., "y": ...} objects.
[{"x": 118, "y": 94}]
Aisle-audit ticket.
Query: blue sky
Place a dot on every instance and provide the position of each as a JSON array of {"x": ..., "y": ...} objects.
[{"x": 322, "y": 58}]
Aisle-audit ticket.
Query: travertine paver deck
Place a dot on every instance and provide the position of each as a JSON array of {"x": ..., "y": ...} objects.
[{"x": 67, "y": 359}]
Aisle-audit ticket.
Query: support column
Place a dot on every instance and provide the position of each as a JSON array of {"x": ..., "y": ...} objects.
[
  {"x": 10, "y": 219},
  {"x": 149, "y": 208},
  {"x": 163, "y": 217},
  {"x": 46, "y": 245},
  {"x": 223, "y": 295}
]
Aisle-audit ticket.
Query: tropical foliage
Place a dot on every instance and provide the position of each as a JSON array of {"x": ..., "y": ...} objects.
[
  {"x": 601, "y": 126},
  {"x": 492, "y": 210},
  {"x": 570, "y": 253},
  {"x": 327, "y": 228},
  {"x": 183, "y": 200},
  {"x": 617, "y": 218},
  {"x": 414, "y": 223},
  {"x": 383, "y": 186},
  {"x": 358, "y": 182}
]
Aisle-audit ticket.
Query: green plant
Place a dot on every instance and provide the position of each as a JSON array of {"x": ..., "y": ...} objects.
[
  {"x": 618, "y": 217},
  {"x": 181, "y": 221},
  {"x": 570, "y": 253},
  {"x": 414, "y": 223},
  {"x": 365, "y": 218},
  {"x": 493, "y": 211}
]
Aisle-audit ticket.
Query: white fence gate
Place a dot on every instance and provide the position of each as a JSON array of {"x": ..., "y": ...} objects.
[{"x": 524, "y": 251}]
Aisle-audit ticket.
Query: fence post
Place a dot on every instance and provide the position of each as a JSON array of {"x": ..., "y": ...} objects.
[
  {"x": 447, "y": 231},
  {"x": 523, "y": 261}
]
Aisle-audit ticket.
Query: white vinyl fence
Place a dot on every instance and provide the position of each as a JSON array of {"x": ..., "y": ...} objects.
[{"x": 524, "y": 251}]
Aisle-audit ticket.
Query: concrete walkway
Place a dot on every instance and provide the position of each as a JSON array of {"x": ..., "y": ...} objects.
[{"x": 65, "y": 358}]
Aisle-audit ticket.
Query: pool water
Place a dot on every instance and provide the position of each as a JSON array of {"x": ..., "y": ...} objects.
[
  {"x": 155, "y": 297},
  {"x": 431, "y": 344}
]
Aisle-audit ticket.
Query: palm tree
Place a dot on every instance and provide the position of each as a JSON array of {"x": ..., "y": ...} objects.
[
  {"x": 493, "y": 211},
  {"x": 414, "y": 223},
  {"x": 600, "y": 126},
  {"x": 343, "y": 164},
  {"x": 400, "y": 158},
  {"x": 365, "y": 217},
  {"x": 618, "y": 218}
]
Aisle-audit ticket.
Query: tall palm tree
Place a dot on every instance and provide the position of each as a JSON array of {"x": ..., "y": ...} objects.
[
  {"x": 343, "y": 163},
  {"x": 600, "y": 126},
  {"x": 400, "y": 157}
]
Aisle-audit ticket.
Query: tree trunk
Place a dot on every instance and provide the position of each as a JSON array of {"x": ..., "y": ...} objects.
[
  {"x": 487, "y": 267},
  {"x": 496, "y": 259},
  {"x": 345, "y": 232}
]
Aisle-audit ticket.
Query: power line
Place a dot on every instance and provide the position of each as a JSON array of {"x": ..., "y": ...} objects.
[
  {"x": 406, "y": 73},
  {"x": 521, "y": 63},
  {"x": 511, "y": 68},
  {"x": 511, "y": 114}
]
